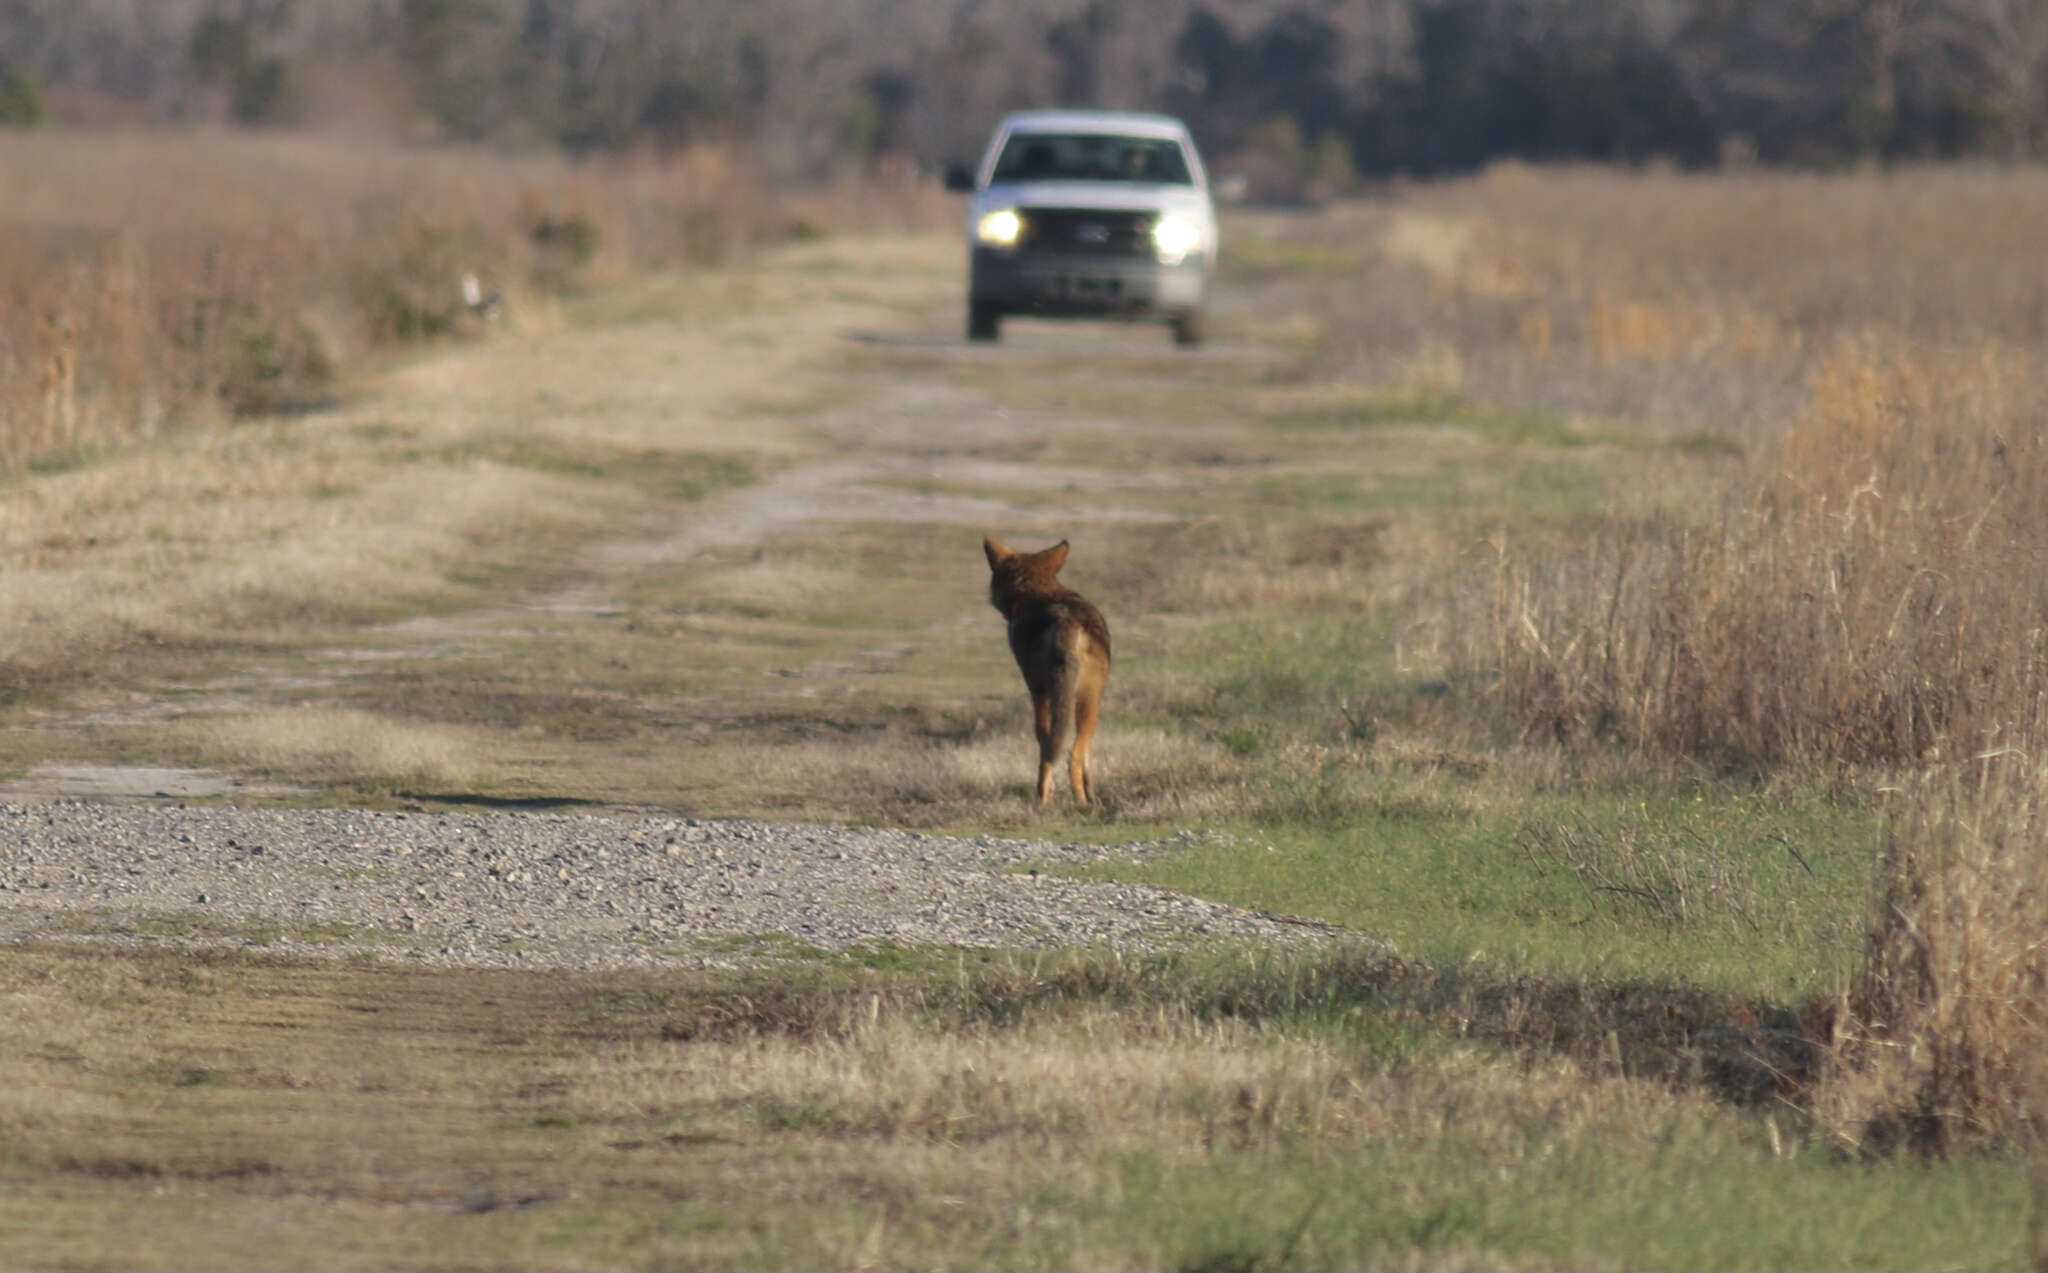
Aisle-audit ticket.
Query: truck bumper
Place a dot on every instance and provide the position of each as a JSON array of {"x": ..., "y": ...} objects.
[{"x": 1085, "y": 286}]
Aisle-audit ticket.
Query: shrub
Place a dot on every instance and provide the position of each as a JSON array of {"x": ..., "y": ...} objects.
[{"x": 1855, "y": 606}]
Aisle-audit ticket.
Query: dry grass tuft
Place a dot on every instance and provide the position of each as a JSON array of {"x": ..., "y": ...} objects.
[
  {"x": 1945, "y": 1041},
  {"x": 342, "y": 746},
  {"x": 231, "y": 534},
  {"x": 1854, "y": 607}
]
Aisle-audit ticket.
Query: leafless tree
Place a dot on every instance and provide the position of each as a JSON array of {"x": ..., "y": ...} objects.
[
  {"x": 2008, "y": 40},
  {"x": 815, "y": 83}
]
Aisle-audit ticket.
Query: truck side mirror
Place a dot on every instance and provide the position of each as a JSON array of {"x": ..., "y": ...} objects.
[{"x": 959, "y": 178}]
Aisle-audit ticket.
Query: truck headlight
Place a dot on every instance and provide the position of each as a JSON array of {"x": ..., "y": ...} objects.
[
  {"x": 1173, "y": 237},
  {"x": 1000, "y": 228}
]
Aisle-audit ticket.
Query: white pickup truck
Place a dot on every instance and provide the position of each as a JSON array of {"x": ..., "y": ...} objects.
[{"x": 1102, "y": 214}]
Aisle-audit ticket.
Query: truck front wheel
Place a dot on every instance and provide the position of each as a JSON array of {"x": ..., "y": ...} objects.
[{"x": 984, "y": 321}]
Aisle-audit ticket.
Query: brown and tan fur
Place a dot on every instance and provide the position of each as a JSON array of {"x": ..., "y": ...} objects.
[{"x": 1062, "y": 647}]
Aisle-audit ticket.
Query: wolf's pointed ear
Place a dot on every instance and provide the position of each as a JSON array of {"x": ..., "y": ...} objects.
[
  {"x": 1056, "y": 556},
  {"x": 997, "y": 551}
]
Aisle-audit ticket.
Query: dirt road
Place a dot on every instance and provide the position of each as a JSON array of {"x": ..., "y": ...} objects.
[
  {"x": 705, "y": 547},
  {"x": 607, "y": 555}
]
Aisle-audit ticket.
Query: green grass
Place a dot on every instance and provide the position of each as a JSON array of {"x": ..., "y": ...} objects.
[
  {"x": 1255, "y": 256},
  {"x": 1436, "y": 409},
  {"x": 1698, "y": 1199},
  {"x": 73, "y": 461},
  {"x": 1694, "y": 1194},
  {"x": 1534, "y": 488},
  {"x": 680, "y": 475},
  {"x": 1726, "y": 905},
  {"x": 1461, "y": 853}
]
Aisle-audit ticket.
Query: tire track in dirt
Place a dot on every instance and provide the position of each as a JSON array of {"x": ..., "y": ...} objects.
[{"x": 842, "y": 490}]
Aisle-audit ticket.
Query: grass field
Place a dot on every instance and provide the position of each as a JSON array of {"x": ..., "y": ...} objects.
[
  {"x": 169, "y": 1111},
  {"x": 1399, "y": 571}
]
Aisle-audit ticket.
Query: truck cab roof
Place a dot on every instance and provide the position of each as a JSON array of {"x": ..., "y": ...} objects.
[{"x": 1125, "y": 123}]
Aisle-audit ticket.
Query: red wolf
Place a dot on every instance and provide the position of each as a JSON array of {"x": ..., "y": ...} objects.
[{"x": 1062, "y": 647}]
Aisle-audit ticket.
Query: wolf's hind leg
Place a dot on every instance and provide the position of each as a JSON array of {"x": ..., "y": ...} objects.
[
  {"x": 1048, "y": 743},
  {"x": 1087, "y": 712}
]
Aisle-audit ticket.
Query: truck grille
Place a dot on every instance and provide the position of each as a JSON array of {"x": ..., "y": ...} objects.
[{"x": 1087, "y": 232}]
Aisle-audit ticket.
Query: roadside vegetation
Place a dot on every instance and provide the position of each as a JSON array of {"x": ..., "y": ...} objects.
[
  {"x": 1606, "y": 588},
  {"x": 162, "y": 279}
]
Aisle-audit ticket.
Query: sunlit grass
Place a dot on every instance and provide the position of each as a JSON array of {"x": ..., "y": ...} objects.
[{"x": 1726, "y": 906}]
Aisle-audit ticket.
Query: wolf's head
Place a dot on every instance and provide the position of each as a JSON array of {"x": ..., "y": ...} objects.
[{"x": 1013, "y": 576}]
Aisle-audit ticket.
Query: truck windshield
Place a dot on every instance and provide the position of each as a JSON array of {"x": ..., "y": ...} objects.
[{"x": 1092, "y": 157}]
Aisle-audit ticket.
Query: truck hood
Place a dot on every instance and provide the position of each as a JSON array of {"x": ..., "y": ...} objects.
[{"x": 1103, "y": 196}]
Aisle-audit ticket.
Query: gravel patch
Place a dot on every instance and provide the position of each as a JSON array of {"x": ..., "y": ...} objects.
[{"x": 555, "y": 890}]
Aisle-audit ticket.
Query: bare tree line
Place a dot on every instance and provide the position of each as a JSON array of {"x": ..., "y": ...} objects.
[{"x": 1374, "y": 86}]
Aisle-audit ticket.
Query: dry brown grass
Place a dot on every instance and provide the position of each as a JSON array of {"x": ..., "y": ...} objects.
[
  {"x": 1853, "y": 595},
  {"x": 1855, "y": 606},
  {"x": 153, "y": 279},
  {"x": 1673, "y": 267},
  {"x": 332, "y": 745},
  {"x": 952, "y": 773},
  {"x": 1945, "y": 1040},
  {"x": 248, "y": 557},
  {"x": 1685, "y": 304},
  {"x": 241, "y": 526}
]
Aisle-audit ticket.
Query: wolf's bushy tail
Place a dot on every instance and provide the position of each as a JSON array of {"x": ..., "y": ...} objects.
[{"x": 1072, "y": 653}]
